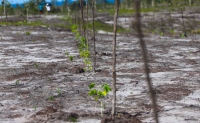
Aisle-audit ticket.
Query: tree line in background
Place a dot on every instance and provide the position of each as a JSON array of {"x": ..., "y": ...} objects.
[{"x": 99, "y": 4}]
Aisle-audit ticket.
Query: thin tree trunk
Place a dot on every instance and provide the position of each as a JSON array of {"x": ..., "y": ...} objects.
[
  {"x": 190, "y": 2},
  {"x": 75, "y": 19},
  {"x": 162, "y": 27},
  {"x": 114, "y": 59},
  {"x": 26, "y": 14},
  {"x": 83, "y": 26},
  {"x": 144, "y": 54},
  {"x": 6, "y": 17},
  {"x": 183, "y": 23},
  {"x": 87, "y": 26},
  {"x": 172, "y": 24},
  {"x": 94, "y": 61},
  {"x": 80, "y": 17},
  {"x": 153, "y": 3},
  {"x": 4, "y": 8},
  {"x": 79, "y": 23}
]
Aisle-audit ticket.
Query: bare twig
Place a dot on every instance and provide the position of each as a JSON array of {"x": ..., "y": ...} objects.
[{"x": 144, "y": 54}]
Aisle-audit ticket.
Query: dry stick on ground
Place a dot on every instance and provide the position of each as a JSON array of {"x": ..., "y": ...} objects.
[
  {"x": 114, "y": 59},
  {"x": 144, "y": 54},
  {"x": 93, "y": 31}
]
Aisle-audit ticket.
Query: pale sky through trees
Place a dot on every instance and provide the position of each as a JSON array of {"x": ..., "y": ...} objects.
[{"x": 20, "y": 1}]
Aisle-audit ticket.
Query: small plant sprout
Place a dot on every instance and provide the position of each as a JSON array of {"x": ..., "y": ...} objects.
[
  {"x": 71, "y": 58},
  {"x": 88, "y": 64},
  {"x": 48, "y": 79},
  {"x": 99, "y": 93},
  {"x": 73, "y": 119},
  {"x": 36, "y": 65},
  {"x": 51, "y": 98},
  {"x": 66, "y": 53},
  {"x": 34, "y": 107},
  {"x": 59, "y": 91},
  {"x": 161, "y": 33},
  {"x": 28, "y": 33},
  {"x": 17, "y": 82}
]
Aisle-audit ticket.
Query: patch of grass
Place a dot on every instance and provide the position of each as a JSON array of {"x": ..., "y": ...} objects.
[
  {"x": 196, "y": 31},
  {"x": 128, "y": 11},
  {"x": 22, "y": 23},
  {"x": 71, "y": 58},
  {"x": 51, "y": 98},
  {"x": 105, "y": 27},
  {"x": 66, "y": 53},
  {"x": 59, "y": 91},
  {"x": 73, "y": 119},
  {"x": 65, "y": 26},
  {"x": 34, "y": 107},
  {"x": 28, "y": 33}
]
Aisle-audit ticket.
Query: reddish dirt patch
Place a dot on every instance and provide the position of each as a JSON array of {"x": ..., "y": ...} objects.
[
  {"x": 172, "y": 92},
  {"x": 21, "y": 75},
  {"x": 120, "y": 119}
]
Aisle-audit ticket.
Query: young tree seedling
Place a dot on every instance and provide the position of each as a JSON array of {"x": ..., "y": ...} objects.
[{"x": 99, "y": 92}]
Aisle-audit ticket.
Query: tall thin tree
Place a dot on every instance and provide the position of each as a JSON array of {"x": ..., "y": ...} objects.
[
  {"x": 87, "y": 25},
  {"x": 82, "y": 17},
  {"x": 114, "y": 59},
  {"x": 94, "y": 60},
  {"x": 145, "y": 59},
  {"x": 183, "y": 23}
]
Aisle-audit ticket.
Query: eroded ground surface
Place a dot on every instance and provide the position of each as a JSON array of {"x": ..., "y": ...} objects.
[{"x": 38, "y": 82}]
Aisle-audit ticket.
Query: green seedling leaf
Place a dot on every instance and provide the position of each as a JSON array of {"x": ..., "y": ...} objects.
[
  {"x": 104, "y": 93},
  {"x": 82, "y": 39},
  {"x": 100, "y": 93},
  {"x": 106, "y": 88},
  {"x": 91, "y": 85},
  {"x": 90, "y": 68},
  {"x": 92, "y": 92}
]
